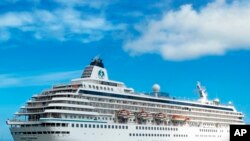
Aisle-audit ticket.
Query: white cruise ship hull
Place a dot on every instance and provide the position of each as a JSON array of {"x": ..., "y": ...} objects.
[{"x": 129, "y": 133}]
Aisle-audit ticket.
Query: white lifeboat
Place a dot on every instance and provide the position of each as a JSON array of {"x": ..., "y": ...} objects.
[
  {"x": 143, "y": 115},
  {"x": 179, "y": 118},
  {"x": 123, "y": 113},
  {"x": 160, "y": 116}
]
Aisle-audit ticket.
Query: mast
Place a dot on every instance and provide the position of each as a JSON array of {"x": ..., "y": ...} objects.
[{"x": 202, "y": 92}]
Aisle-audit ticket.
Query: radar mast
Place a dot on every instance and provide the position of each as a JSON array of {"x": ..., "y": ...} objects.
[{"x": 202, "y": 92}]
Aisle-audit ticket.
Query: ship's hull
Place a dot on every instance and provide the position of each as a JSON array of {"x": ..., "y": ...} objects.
[{"x": 119, "y": 132}]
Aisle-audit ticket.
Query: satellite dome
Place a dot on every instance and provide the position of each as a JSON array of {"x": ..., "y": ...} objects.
[
  {"x": 156, "y": 88},
  {"x": 230, "y": 103},
  {"x": 217, "y": 100}
]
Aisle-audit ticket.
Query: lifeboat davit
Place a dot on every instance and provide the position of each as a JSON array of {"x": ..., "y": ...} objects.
[{"x": 180, "y": 118}]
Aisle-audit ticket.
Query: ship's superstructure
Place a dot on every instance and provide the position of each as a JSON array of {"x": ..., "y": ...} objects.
[{"x": 94, "y": 108}]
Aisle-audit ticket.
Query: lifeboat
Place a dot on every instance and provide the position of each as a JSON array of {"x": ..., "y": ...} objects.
[
  {"x": 160, "y": 116},
  {"x": 123, "y": 113},
  {"x": 143, "y": 115},
  {"x": 180, "y": 118}
]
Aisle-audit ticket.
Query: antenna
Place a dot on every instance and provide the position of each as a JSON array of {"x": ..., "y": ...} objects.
[{"x": 97, "y": 57}]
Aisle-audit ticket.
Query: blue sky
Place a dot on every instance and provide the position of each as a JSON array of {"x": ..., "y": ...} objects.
[{"x": 170, "y": 42}]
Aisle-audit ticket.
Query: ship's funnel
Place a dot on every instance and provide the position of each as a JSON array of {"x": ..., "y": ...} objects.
[{"x": 95, "y": 70}]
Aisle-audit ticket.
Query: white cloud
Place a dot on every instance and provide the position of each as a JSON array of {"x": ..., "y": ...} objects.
[
  {"x": 7, "y": 80},
  {"x": 63, "y": 23},
  {"x": 15, "y": 19},
  {"x": 188, "y": 34},
  {"x": 90, "y": 3},
  {"x": 15, "y": 80}
]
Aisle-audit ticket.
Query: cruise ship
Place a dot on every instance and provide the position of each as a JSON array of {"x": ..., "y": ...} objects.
[{"x": 94, "y": 108}]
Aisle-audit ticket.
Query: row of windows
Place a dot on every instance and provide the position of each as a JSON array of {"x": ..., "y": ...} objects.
[
  {"x": 180, "y": 135},
  {"x": 47, "y": 125},
  {"x": 80, "y": 125},
  {"x": 99, "y": 87},
  {"x": 149, "y": 135},
  {"x": 209, "y": 136},
  {"x": 99, "y": 126},
  {"x": 41, "y": 132},
  {"x": 87, "y": 117},
  {"x": 212, "y": 130},
  {"x": 65, "y": 108},
  {"x": 156, "y": 128},
  {"x": 208, "y": 130},
  {"x": 157, "y": 135}
]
